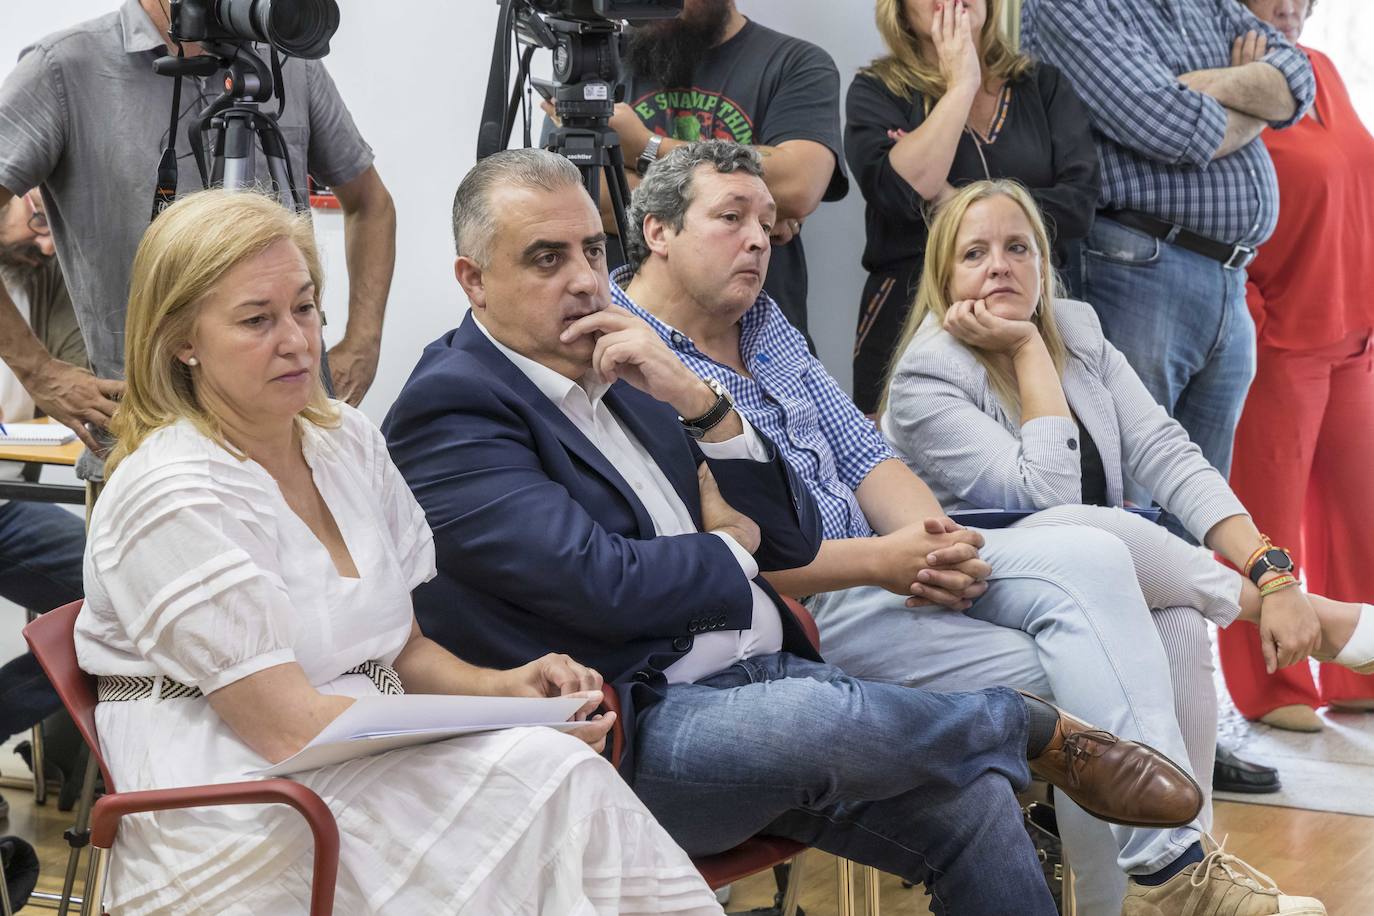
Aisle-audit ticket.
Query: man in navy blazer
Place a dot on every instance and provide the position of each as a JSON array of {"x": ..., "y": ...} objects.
[{"x": 591, "y": 495}]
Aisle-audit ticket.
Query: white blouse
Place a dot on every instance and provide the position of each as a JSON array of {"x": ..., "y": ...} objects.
[{"x": 197, "y": 569}]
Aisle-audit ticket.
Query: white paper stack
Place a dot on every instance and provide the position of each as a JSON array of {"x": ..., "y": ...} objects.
[{"x": 383, "y": 723}]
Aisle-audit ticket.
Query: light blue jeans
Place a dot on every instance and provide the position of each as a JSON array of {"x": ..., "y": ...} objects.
[
  {"x": 1064, "y": 617},
  {"x": 1181, "y": 321}
]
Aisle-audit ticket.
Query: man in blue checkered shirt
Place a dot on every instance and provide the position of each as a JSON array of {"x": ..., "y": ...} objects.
[
  {"x": 1178, "y": 93},
  {"x": 1052, "y": 607}
]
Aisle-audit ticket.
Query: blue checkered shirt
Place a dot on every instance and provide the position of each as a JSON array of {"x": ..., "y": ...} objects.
[
  {"x": 1155, "y": 137},
  {"x": 792, "y": 400}
]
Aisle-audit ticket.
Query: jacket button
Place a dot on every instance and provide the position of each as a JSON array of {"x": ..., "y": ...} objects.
[
  {"x": 692, "y": 626},
  {"x": 643, "y": 676},
  {"x": 1073, "y": 444},
  {"x": 682, "y": 643},
  {"x": 720, "y": 621}
]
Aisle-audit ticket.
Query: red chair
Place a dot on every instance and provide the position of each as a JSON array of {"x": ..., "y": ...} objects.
[
  {"x": 50, "y": 639},
  {"x": 759, "y": 852}
]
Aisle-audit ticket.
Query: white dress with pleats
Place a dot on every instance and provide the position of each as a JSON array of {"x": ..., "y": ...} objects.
[{"x": 196, "y": 569}]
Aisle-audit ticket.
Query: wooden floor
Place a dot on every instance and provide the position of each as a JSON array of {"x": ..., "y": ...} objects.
[{"x": 1327, "y": 855}]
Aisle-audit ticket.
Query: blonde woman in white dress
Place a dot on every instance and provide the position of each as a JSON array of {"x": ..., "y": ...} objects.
[{"x": 248, "y": 574}]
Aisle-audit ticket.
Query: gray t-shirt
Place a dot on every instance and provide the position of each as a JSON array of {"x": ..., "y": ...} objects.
[
  {"x": 760, "y": 88},
  {"x": 84, "y": 116}
]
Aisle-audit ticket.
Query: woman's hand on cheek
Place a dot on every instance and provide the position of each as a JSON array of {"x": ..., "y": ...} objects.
[{"x": 971, "y": 322}]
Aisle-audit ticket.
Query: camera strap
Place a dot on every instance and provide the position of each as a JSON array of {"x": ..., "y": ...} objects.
[{"x": 165, "y": 191}]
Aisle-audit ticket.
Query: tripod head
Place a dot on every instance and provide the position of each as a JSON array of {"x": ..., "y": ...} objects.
[{"x": 233, "y": 118}]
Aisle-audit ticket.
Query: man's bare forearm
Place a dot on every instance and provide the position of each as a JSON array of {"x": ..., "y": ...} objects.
[
  {"x": 839, "y": 565},
  {"x": 893, "y": 497},
  {"x": 1256, "y": 89},
  {"x": 20, "y": 348},
  {"x": 1241, "y": 129},
  {"x": 370, "y": 253}
]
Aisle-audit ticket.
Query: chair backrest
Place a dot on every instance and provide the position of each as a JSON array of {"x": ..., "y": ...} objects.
[{"x": 50, "y": 638}]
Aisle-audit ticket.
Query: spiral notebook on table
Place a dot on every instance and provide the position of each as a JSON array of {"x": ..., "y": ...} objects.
[{"x": 36, "y": 434}]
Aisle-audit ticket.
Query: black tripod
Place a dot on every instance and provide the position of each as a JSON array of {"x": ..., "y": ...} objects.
[
  {"x": 586, "y": 139},
  {"x": 236, "y": 126}
]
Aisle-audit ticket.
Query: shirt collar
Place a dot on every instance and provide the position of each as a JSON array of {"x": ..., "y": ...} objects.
[
  {"x": 139, "y": 32},
  {"x": 553, "y": 385},
  {"x": 750, "y": 324}
]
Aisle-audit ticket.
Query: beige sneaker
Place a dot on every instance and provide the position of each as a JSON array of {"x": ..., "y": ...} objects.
[{"x": 1219, "y": 885}]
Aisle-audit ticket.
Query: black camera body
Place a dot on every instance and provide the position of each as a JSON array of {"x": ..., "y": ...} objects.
[
  {"x": 300, "y": 28},
  {"x": 588, "y": 10}
]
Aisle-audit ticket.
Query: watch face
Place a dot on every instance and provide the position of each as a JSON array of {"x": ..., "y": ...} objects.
[{"x": 1278, "y": 560}]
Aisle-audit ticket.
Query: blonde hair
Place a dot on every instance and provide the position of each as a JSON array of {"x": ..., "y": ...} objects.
[
  {"x": 182, "y": 257},
  {"x": 933, "y": 296},
  {"x": 905, "y": 72}
]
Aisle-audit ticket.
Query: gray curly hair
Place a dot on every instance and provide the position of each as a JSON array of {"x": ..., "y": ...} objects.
[{"x": 666, "y": 191}]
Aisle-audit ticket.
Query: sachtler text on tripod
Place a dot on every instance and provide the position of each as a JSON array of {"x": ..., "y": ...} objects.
[{"x": 584, "y": 37}]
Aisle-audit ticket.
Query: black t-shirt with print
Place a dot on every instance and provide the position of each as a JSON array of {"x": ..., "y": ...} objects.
[{"x": 762, "y": 88}]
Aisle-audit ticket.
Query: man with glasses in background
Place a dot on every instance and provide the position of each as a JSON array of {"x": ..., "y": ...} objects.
[{"x": 41, "y": 545}]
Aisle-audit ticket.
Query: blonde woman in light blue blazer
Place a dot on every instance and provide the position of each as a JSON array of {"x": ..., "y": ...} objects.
[{"x": 1002, "y": 394}]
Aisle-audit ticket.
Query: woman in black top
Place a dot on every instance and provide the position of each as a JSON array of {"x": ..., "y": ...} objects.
[{"x": 952, "y": 103}]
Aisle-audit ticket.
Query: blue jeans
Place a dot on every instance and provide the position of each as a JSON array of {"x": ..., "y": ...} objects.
[
  {"x": 1181, "y": 321},
  {"x": 41, "y": 547},
  {"x": 915, "y": 783}
]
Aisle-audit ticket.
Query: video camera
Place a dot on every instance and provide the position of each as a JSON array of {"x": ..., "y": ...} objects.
[{"x": 584, "y": 36}]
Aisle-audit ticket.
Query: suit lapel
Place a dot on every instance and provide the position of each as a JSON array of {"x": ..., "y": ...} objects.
[{"x": 471, "y": 339}]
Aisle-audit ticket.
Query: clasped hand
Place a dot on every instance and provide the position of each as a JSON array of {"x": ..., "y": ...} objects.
[
  {"x": 934, "y": 562},
  {"x": 970, "y": 321},
  {"x": 1289, "y": 628}
]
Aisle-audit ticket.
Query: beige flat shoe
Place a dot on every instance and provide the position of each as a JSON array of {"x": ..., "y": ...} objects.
[{"x": 1296, "y": 718}]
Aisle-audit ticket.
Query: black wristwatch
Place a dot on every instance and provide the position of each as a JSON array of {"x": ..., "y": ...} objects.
[
  {"x": 700, "y": 426},
  {"x": 1275, "y": 559}
]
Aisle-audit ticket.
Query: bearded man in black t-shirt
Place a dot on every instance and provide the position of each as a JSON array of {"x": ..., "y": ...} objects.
[{"x": 712, "y": 73}]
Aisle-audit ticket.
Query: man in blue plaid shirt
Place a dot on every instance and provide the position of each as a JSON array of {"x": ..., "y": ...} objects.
[
  {"x": 1053, "y": 607},
  {"x": 1178, "y": 93}
]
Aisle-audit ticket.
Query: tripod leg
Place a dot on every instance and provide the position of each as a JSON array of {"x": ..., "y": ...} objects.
[
  {"x": 235, "y": 167},
  {"x": 619, "y": 187},
  {"x": 279, "y": 165}
]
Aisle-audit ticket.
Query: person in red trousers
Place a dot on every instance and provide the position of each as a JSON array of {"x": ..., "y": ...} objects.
[{"x": 1306, "y": 437}]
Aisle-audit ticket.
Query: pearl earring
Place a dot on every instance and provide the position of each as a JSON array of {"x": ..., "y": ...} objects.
[{"x": 193, "y": 362}]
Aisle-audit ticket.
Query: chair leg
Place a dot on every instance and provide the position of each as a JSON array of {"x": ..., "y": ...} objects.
[
  {"x": 5, "y": 908},
  {"x": 96, "y": 874},
  {"x": 794, "y": 885},
  {"x": 1068, "y": 899},
  {"x": 872, "y": 902},
  {"x": 844, "y": 887},
  {"x": 40, "y": 777},
  {"x": 79, "y": 836}
]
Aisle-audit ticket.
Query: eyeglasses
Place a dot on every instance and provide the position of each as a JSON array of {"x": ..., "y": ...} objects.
[{"x": 38, "y": 220}]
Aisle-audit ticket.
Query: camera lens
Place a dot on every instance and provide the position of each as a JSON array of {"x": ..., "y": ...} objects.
[{"x": 301, "y": 28}]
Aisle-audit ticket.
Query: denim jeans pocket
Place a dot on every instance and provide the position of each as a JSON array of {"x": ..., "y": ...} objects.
[{"x": 1110, "y": 241}]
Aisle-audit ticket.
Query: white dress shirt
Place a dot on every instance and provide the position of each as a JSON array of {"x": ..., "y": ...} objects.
[{"x": 583, "y": 403}]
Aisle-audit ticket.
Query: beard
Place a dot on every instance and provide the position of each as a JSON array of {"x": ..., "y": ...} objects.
[
  {"x": 667, "y": 52},
  {"x": 21, "y": 257}
]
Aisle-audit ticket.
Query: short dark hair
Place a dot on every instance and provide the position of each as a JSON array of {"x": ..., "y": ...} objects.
[{"x": 474, "y": 223}]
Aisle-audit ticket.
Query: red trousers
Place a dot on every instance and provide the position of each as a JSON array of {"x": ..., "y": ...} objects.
[{"x": 1302, "y": 466}]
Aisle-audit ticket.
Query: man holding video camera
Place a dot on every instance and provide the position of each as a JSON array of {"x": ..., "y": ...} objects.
[
  {"x": 84, "y": 118},
  {"x": 712, "y": 73}
]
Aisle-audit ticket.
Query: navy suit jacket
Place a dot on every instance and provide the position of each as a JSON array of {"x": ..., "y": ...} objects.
[{"x": 543, "y": 547}]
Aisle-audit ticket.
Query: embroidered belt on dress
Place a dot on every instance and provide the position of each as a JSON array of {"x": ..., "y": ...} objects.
[{"x": 111, "y": 688}]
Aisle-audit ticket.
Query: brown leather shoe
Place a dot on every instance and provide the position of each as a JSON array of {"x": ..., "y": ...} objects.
[{"x": 1115, "y": 780}]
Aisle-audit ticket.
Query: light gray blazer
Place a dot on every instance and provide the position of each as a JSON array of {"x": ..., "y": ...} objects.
[{"x": 945, "y": 421}]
